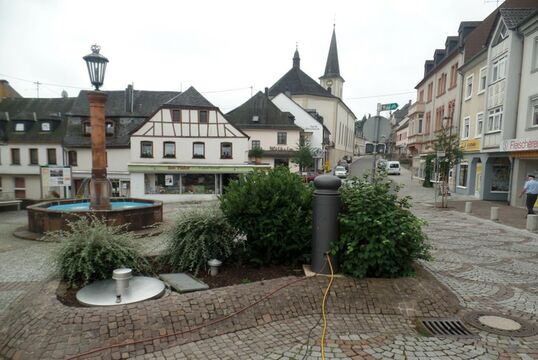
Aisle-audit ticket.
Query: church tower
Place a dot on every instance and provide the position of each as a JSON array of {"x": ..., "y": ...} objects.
[{"x": 331, "y": 80}]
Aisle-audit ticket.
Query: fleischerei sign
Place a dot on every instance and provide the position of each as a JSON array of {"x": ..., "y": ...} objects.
[{"x": 519, "y": 145}]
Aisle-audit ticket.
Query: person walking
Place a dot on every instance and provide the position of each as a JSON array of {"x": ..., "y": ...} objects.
[{"x": 531, "y": 189}]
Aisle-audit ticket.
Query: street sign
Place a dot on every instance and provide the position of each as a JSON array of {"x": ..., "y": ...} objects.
[
  {"x": 391, "y": 106},
  {"x": 441, "y": 154}
]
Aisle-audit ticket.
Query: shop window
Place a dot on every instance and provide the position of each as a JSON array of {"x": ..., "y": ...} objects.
[
  {"x": 34, "y": 160},
  {"x": 72, "y": 157},
  {"x": 462, "y": 179},
  {"x": 176, "y": 115},
  {"x": 51, "y": 156},
  {"x": 198, "y": 150},
  {"x": 45, "y": 126},
  {"x": 282, "y": 138},
  {"x": 167, "y": 184},
  {"x": 15, "y": 156},
  {"x": 198, "y": 183},
  {"x": 169, "y": 150},
  {"x": 500, "y": 175},
  {"x": 226, "y": 150},
  {"x": 20, "y": 187},
  {"x": 203, "y": 116},
  {"x": 146, "y": 149}
]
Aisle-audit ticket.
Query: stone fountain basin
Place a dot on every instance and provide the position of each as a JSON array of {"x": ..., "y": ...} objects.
[{"x": 42, "y": 219}]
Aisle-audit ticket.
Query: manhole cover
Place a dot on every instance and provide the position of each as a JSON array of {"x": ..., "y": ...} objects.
[
  {"x": 445, "y": 327},
  {"x": 501, "y": 324}
]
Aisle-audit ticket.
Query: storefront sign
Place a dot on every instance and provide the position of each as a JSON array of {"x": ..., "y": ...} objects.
[
  {"x": 470, "y": 145},
  {"x": 196, "y": 169},
  {"x": 519, "y": 145},
  {"x": 280, "y": 148}
]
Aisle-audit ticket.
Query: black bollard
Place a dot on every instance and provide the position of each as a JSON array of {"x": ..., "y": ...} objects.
[{"x": 326, "y": 205}]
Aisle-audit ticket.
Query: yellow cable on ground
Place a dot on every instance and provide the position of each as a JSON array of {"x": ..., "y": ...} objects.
[{"x": 323, "y": 308}]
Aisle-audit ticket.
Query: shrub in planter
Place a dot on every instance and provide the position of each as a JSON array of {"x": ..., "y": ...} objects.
[
  {"x": 198, "y": 236},
  {"x": 379, "y": 236},
  {"x": 90, "y": 250},
  {"x": 273, "y": 210}
]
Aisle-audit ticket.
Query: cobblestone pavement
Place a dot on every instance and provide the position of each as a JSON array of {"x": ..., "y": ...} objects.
[{"x": 479, "y": 265}]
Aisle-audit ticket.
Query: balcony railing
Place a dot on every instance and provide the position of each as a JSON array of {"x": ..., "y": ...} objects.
[{"x": 417, "y": 107}]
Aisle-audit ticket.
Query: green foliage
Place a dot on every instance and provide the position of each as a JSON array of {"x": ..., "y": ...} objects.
[
  {"x": 273, "y": 209},
  {"x": 304, "y": 156},
  {"x": 448, "y": 143},
  {"x": 379, "y": 236},
  {"x": 198, "y": 236},
  {"x": 256, "y": 152},
  {"x": 90, "y": 250},
  {"x": 428, "y": 171}
]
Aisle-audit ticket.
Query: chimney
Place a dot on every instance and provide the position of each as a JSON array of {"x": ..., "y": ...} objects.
[
  {"x": 129, "y": 98},
  {"x": 266, "y": 91},
  {"x": 428, "y": 66}
]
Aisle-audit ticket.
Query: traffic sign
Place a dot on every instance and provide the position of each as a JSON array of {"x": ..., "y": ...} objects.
[
  {"x": 391, "y": 106},
  {"x": 369, "y": 127},
  {"x": 441, "y": 154}
]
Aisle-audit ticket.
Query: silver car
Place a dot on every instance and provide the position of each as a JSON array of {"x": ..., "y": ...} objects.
[{"x": 340, "y": 171}]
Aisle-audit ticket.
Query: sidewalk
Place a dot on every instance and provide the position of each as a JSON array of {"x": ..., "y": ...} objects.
[{"x": 508, "y": 215}]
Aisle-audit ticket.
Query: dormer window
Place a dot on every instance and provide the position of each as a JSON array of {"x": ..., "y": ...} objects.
[
  {"x": 19, "y": 127},
  {"x": 109, "y": 128},
  {"x": 45, "y": 126},
  {"x": 255, "y": 118},
  {"x": 87, "y": 128}
]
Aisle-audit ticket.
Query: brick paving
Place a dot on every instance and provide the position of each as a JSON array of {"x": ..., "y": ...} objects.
[{"x": 478, "y": 265}]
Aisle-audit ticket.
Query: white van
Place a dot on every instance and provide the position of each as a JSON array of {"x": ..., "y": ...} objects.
[{"x": 393, "y": 167}]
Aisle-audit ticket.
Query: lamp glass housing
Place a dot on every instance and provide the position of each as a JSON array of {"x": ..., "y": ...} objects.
[{"x": 96, "y": 66}]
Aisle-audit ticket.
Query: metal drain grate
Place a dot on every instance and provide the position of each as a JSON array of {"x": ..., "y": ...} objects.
[{"x": 445, "y": 327}]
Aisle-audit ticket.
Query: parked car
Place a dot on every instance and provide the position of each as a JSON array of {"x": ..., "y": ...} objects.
[
  {"x": 348, "y": 159},
  {"x": 393, "y": 168},
  {"x": 340, "y": 171},
  {"x": 310, "y": 176},
  {"x": 344, "y": 164}
]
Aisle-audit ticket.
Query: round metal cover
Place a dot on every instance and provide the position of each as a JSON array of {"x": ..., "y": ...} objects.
[
  {"x": 103, "y": 293},
  {"x": 501, "y": 324},
  {"x": 368, "y": 129}
]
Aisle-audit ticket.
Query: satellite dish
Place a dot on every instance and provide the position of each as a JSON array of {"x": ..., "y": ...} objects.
[{"x": 368, "y": 129}]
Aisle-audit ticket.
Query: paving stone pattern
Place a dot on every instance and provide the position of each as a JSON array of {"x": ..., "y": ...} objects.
[{"x": 478, "y": 265}]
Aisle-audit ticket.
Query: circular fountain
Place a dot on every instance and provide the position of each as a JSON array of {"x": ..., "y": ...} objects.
[{"x": 137, "y": 214}]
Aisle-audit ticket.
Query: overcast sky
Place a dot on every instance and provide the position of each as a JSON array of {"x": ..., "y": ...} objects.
[{"x": 225, "y": 45}]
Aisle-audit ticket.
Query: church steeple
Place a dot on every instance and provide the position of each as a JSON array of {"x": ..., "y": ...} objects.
[
  {"x": 331, "y": 80},
  {"x": 332, "y": 68},
  {"x": 296, "y": 58}
]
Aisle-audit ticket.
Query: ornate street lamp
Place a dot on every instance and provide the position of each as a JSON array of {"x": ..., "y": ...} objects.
[
  {"x": 100, "y": 188},
  {"x": 96, "y": 66}
]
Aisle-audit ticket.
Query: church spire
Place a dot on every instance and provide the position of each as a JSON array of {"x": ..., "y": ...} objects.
[
  {"x": 296, "y": 58},
  {"x": 332, "y": 68}
]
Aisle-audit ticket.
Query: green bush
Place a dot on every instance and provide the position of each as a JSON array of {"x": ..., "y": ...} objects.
[
  {"x": 273, "y": 209},
  {"x": 379, "y": 236},
  {"x": 198, "y": 236},
  {"x": 90, "y": 250}
]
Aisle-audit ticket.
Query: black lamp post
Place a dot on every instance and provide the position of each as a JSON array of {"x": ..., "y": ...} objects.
[
  {"x": 96, "y": 66},
  {"x": 99, "y": 185}
]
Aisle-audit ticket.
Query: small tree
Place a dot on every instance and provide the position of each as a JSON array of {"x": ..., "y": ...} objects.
[
  {"x": 304, "y": 156},
  {"x": 449, "y": 144}
]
